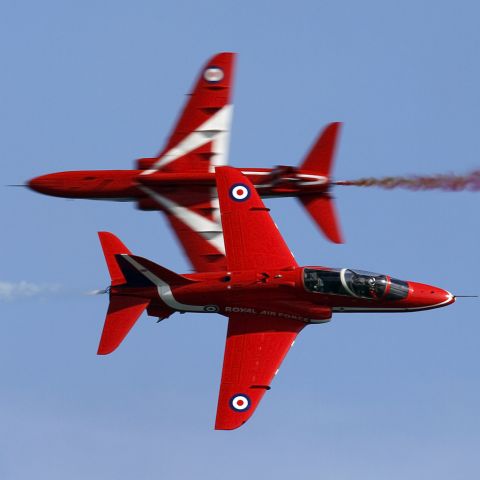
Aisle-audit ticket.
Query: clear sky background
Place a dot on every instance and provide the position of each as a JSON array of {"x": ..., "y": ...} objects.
[{"x": 97, "y": 84}]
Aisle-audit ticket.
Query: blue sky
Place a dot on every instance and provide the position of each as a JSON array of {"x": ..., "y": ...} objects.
[{"x": 88, "y": 85}]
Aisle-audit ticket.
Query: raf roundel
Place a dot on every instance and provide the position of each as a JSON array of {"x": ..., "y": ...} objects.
[
  {"x": 240, "y": 402},
  {"x": 213, "y": 74},
  {"x": 211, "y": 308},
  {"x": 239, "y": 192}
]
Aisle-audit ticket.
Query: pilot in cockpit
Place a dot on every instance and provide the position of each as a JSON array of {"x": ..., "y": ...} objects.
[
  {"x": 319, "y": 284},
  {"x": 365, "y": 286},
  {"x": 313, "y": 281}
]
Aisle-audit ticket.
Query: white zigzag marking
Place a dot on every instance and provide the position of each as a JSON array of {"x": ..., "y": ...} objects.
[
  {"x": 163, "y": 288},
  {"x": 215, "y": 129},
  {"x": 210, "y": 230}
]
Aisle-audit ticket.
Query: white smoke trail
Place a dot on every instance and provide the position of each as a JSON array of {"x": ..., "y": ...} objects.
[{"x": 11, "y": 291}]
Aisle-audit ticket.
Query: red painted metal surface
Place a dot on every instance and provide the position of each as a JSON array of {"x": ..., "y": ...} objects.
[
  {"x": 267, "y": 297},
  {"x": 183, "y": 171}
]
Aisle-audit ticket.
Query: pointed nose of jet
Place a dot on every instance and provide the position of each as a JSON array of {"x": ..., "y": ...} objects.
[
  {"x": 43, "y": 183},
  {"x": 51, "y": 184},
  {"x": 427, "y": 296}
]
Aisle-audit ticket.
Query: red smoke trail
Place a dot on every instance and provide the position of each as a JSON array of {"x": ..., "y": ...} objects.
[{"x": 446, "y": 182}]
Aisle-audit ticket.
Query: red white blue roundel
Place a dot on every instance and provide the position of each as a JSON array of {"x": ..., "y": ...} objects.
[
  {"x": 240, "y": 402},
  {"x": 211, "y": 308},
  {"x": 239, "y": 192},
  {"x": 213, "y": 74}
]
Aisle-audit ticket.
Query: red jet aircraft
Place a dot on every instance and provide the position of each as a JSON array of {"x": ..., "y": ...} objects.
[
  {"x": 180, "y": 181},
  {"x": 266, "y": 296}
]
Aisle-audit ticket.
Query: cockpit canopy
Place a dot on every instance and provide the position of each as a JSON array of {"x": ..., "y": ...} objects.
[{"x": 354, "y": 283}]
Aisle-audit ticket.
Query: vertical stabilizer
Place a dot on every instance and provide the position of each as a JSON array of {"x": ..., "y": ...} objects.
[{"x": 112, "y": 246}]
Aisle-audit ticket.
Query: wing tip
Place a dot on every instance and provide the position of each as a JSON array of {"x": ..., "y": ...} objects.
[
  {"x": 228, "y": 427},
  {"x": 106, "y": 350}
]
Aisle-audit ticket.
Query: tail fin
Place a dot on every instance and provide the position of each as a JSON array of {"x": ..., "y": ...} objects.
[
  {"x": 320, "y": 157},
  {"x": 319, "y": 160},
  {"x": 130, "y": 271},
  {"x": 322, "y": 210}
]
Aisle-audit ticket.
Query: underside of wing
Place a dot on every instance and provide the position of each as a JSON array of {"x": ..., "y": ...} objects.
[
  {"x": 194, "y": 216},
  {"x": 200, "y": 138},
  {"x": 198, "y": 143},
  {"x": 252, "y": 240},
  {"x": 254, "y": 349},
  {"x": 207, "y": 113}
]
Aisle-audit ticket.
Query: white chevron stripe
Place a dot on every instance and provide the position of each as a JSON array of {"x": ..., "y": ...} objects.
[
  {"x": 163, "y": 288},
  {"x": 210, "y": 230},
  {"x": 216, "y": 129}
]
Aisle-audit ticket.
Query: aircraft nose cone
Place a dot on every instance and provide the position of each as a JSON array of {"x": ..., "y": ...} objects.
[
  {"x": 48, "y": 184},
  {"x": 429, "y": 296}
]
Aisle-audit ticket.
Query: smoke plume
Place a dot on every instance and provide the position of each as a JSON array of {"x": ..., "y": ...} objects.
[
  {"x": 445, "y": 182},
  {"x": 10, "y": 291}
]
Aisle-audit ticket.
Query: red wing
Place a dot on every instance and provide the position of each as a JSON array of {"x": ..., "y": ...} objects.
[
  {"x": 199, "y": 140},
  {"x": 211, "y": 93},
  {"x": 252, "y": 240},
  {"x": 195, "y": 217},
  {"x": 203, "y": 255},
  {"x": 254, "y": 350},
  {"x": 198, "y": 143}
]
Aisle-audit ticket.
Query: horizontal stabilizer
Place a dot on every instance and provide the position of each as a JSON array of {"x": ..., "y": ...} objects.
[
  {"x": 322, "y": 210},
  {"x": 320, "y": 158},
  {"x": 122, "y": 314},
  {"x": 111, "y": 246},
  {"x": 131, "y": 275}
]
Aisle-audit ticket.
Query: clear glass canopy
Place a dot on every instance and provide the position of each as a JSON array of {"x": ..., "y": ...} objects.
[{"x": 355, "y": 283}]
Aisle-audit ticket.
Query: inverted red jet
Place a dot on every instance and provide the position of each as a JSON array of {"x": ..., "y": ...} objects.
[
  {"x": 180, "y": 181},
  {"x": 266, "y": 296}
]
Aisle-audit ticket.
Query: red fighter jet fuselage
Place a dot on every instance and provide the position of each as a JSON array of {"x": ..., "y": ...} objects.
[
  {"x": 307, "y": 294},
  {"x": 125, "y": 185},
  {"x": 180, "y": 180},
  {"x": 147, "y": 185},
  {"x": 266, "y": 295}
]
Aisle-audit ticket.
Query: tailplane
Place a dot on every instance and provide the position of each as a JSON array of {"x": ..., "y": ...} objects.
[
  {"x": 319, "y": 161},
  {"x": 322, "y": 210},
  {"x": 122, "y": 314},
  {"x": 320, "y": 157},
  {"x": 130, "y": 276},
  {"x": 111, "y": 246}
]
